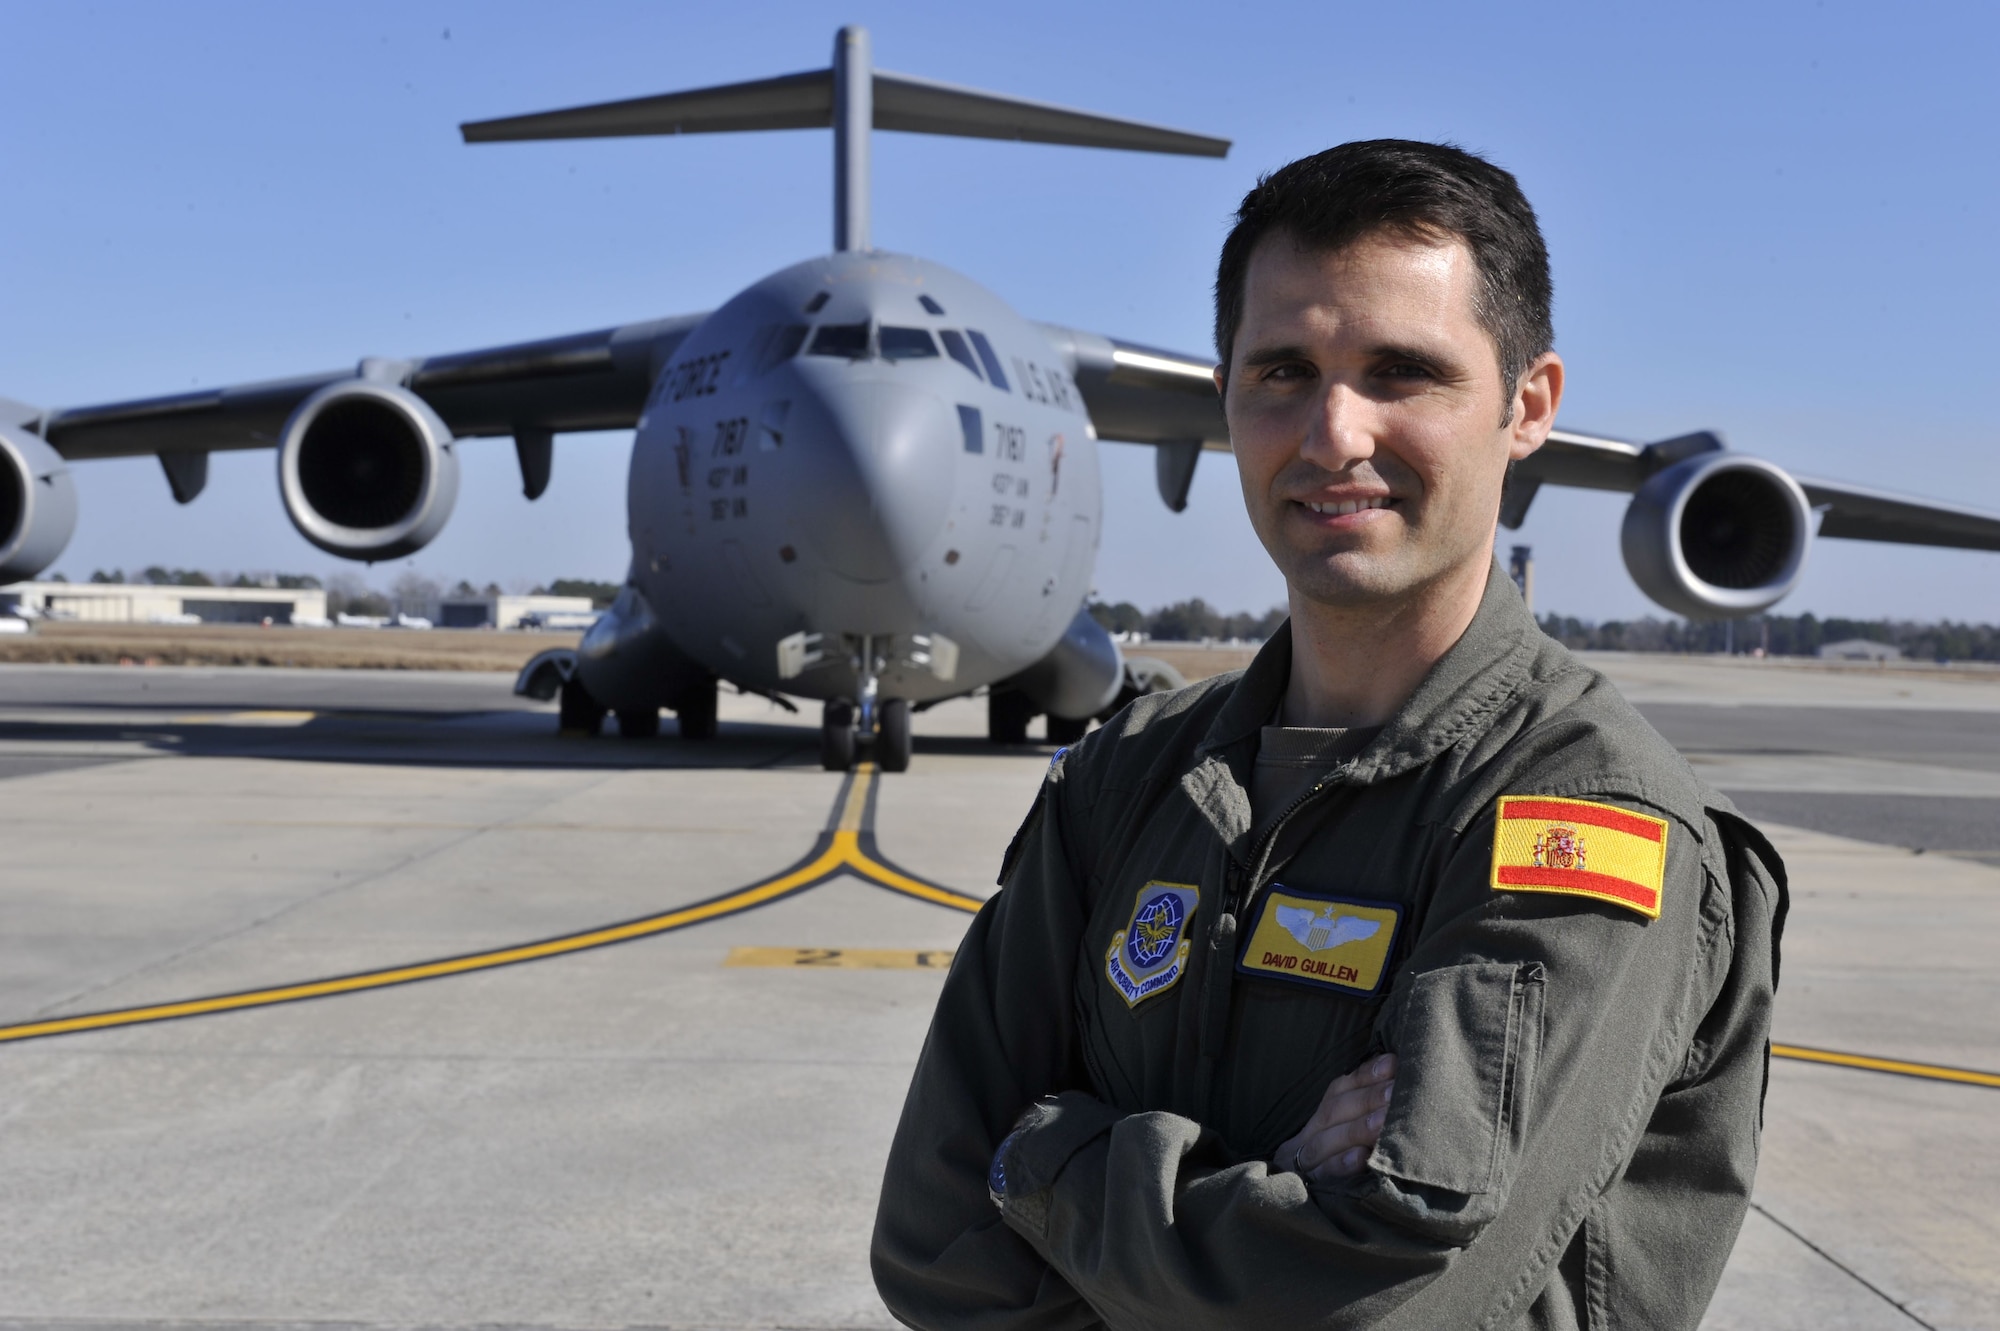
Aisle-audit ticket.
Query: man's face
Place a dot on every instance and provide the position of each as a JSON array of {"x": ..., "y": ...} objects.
[{"x": 1365, "y": 403}]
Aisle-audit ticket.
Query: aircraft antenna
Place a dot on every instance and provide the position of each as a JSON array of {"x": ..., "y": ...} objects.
[{"x": 853, "y": 98}]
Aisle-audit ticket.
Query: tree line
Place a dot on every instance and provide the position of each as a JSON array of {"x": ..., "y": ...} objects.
[
  {"x": 1777, "y": 635},
  {"x": 1187, "y": 621}
]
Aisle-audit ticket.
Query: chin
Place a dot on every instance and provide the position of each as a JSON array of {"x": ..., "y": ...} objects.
[{"x": 1347, "y": 582}]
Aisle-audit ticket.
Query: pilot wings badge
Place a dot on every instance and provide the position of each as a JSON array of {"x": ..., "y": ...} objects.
[
  {"x": 1327, "y": 942},
  {"x": 1326, "y": 929},
  {"x": 1150, "y": 953}
]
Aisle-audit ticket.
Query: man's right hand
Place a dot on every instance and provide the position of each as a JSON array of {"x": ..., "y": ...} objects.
[{"x": 1341, "y": 1132}]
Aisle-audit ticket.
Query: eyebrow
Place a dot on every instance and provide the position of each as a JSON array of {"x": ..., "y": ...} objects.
[
  {"x": 1272, "y": 355},
  {"x": 1444, "y": 366}
]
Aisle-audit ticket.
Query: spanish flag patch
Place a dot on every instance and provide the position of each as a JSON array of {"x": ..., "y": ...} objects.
[{"x": 1580, "y": 848}]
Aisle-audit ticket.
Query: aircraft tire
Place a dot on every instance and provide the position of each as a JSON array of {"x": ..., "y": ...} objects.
[
  {"x": 577, "y": 713},
  {"x": 1008, "y": 712},
  {"x": 892, "y": 736},
  {"x": 695, "y": 715},
  {"x": 1062, "y": 730},
  {"x": 638, "y": 722},
  {"x": 836, "y": 737}
]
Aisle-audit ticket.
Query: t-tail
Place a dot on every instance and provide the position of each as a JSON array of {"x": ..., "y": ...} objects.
[{"x": 851, "y": 97}]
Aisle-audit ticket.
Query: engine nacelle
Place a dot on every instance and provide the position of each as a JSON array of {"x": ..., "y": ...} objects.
[
  {"x": 1081, "y": 674},
  {"x": 367, "y": 470},
  {"x": 37, "y": 505},
  {"x": 1718, "y": 536}
]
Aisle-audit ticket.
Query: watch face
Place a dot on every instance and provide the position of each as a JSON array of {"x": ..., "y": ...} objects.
[{"x": 996, "y": 1174}]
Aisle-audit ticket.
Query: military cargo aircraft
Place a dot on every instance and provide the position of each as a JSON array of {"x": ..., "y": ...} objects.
[{"x": 865, "y": 479}]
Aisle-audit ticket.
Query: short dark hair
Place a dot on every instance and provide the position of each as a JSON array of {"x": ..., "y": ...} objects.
[{"x": 1428, "y": 190}]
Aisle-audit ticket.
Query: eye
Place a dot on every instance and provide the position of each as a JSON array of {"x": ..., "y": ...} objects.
[
  {"x": 1407, "y": 370},
  {"x": 1285, "y": 371}
]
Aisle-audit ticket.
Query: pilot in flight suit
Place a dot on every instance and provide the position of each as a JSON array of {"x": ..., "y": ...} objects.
[{"x": 1232, "y": 894}]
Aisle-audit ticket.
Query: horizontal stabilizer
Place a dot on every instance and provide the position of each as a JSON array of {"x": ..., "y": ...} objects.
[
  {"x": 790, "y": 101},
  {"x": 805, "y": 101},
  {"x": 920, "y": 106}
]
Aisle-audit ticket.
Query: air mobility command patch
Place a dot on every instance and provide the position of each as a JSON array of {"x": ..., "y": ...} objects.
[
  {"x": 1582, "y": 849},
  {"x": 1149, "y": 955},
  {"x": 1328, "y": 942}
]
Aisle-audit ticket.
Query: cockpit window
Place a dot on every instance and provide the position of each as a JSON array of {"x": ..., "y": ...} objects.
[
  {"x": 818, "y": 302},
  {"x": 954, "y": 347},
  {"x": 907, "y": 344},
  {"x": 773, "y": 346},
  {"x": 849, "y": 340},
  {"x": 988, "y": 359},
  {"x": 930, "y": 305},
  {"x": 790, "y": 338}
]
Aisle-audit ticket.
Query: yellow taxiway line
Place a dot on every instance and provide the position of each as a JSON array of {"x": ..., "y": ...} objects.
[
  {"x": 841, "y": 851},
  {"x": 846, "y": 848},
  {"x": 1900, "y": 1067}
]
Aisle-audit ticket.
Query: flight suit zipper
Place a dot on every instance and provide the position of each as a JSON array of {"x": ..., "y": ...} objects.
[{"x": 1240, "y": 889}]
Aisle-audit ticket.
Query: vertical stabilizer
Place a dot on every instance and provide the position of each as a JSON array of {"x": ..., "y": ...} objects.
[{"x": 853, "y": 118}]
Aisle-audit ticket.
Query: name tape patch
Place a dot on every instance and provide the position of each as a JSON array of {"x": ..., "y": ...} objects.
[
  {"x": 1327, "y": 942},
  {"x": 1149, "y": 955},
  {"x": 1582, "y": 849}
]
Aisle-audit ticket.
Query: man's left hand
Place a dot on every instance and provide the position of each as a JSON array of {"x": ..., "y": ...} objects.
[{"x": 1337, "y": 1138}]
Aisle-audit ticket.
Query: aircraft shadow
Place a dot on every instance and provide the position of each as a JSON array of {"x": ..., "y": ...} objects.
[{"x": 428, "y": 739}]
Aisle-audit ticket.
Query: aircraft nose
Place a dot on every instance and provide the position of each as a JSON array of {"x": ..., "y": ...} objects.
[{"x": 882, "y": 485}]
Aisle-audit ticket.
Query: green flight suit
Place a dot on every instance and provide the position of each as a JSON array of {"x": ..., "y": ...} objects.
[{"x": 1580, "y": 1087}]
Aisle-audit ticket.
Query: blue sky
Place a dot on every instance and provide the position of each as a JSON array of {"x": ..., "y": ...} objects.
[{"x": 1775, "y": 220}]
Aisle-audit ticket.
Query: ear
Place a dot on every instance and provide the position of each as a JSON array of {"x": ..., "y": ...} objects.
[{"x": 1536, "y": 399}]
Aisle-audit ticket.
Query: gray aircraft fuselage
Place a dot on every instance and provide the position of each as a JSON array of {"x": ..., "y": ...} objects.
[{"x": 865, "y": 446}]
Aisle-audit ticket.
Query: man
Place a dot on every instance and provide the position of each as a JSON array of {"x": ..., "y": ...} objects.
[{"x": 1415, "y": 835}]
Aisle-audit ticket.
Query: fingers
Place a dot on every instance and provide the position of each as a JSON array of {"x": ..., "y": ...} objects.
[
  {"x": 1336, "y": 1140},
  {"x": 1338, "y": 1148},
  {"x": 1350, "y": 1097}
]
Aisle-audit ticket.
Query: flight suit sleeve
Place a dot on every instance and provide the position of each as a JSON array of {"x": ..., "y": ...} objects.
[
  {"x": 1534, "y": 1032},
  {"x": 1003, "y": 1034}
]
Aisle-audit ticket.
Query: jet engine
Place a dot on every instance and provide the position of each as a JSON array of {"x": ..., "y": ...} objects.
[
  {"x": 367, "y": 470},
  {"x": 37, "y": 505},
  {"x": 1718, "y": 536}
]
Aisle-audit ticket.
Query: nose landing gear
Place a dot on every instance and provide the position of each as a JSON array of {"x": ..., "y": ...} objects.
[
  {"x": 880, "y": 726},
  {"x": 844, "y": 736}
]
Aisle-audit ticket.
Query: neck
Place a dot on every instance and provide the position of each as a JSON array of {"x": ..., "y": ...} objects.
[{"x": 1356, "y": 665}]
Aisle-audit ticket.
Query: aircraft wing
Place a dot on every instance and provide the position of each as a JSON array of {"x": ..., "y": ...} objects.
[
  {"x": 587, "y": 381},
  {"x": 1862, "y": 513},
  {"x": 1847, "y": 511},
  {"x": 1142, "y": 395}
]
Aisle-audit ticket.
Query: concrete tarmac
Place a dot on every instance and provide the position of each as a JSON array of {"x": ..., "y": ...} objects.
[{"x": 644, "y": 1135}]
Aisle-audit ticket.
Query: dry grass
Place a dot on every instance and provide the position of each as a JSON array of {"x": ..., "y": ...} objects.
[
  {"x": 249, "y": 645},
  {"x": 59, "y": 643},
  {"x": 1195, "y": 662}
]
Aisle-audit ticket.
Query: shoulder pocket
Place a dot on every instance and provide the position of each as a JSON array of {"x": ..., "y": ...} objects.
[{"x": 1466, "y": 1039}]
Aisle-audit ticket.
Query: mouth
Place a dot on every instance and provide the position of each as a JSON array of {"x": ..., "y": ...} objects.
[{"x": 1340, "y": 508}]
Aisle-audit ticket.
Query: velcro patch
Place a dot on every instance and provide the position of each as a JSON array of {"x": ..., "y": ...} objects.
[
  {"x": 1326, "y": 942},
  {"x": 1149, "y": 955},
  {"x": 1581, "y": 849}
]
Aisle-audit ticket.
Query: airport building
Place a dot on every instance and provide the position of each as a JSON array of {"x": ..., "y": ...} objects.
[
  {"x": 145, "y": 603},
  {"x": 515, "y": 612}
]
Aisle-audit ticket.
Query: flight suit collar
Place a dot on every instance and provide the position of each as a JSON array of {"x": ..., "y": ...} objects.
[{"x": 1480, "y": 674}]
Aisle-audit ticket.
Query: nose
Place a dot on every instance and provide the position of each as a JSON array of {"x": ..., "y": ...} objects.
[
  {"x": 1342, "y": 431},
  {"x": 881, "y": 474}
]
